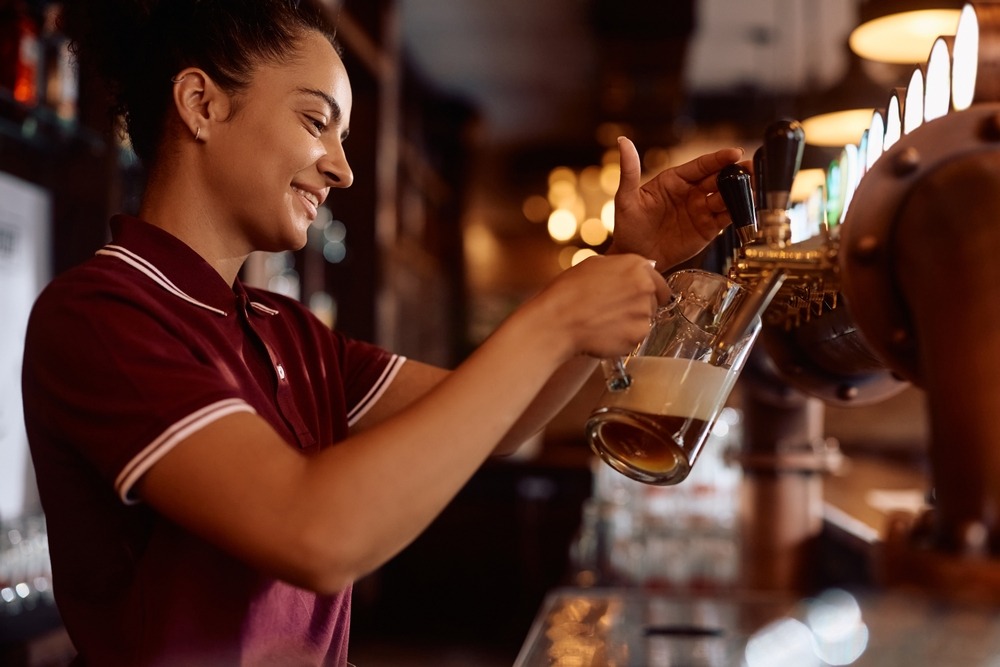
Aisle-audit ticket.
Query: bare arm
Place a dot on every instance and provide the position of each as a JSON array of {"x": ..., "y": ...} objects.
[
  {"x": 669, "y": 219},
  {"x": 415, "y": 379},
  {"x": 323, "y": 521}
]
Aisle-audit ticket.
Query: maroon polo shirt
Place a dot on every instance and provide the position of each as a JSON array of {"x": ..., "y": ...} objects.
[{"x": 127, "y": 355}]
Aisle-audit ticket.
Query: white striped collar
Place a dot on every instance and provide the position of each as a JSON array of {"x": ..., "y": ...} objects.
[
  {"x": 149, "y": 270},
  {"x": 143, "y": 266}
]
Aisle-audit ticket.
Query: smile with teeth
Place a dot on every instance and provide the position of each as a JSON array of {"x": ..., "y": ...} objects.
[{"x": 313, "y": 199}]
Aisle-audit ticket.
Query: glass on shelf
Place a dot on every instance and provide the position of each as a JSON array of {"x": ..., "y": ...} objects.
[
  {"x": 678, "y": 537},
  {"x": 25, "y": 569}
]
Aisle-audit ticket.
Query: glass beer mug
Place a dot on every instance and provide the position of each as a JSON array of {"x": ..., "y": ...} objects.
[{"x": 662, "y": 400}]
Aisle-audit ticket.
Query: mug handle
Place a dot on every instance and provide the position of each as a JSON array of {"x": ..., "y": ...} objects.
[{"x": 615, "y": 375}]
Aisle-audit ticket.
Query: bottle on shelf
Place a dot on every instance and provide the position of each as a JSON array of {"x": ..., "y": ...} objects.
[
  {"x": 20, "y": 52},
  {"x": 59, "y": 82}
]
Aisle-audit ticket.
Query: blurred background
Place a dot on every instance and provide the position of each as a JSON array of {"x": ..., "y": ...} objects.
[{"x": 482, "y": 141}]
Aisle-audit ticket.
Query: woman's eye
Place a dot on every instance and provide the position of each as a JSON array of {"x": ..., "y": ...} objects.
[{"x": 319, "y": 125}]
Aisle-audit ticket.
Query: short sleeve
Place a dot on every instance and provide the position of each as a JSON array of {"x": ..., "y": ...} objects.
[{"x": 113, "y": 380}]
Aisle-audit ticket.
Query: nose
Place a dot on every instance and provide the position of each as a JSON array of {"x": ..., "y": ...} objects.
[{"x": 335, "y": 168}]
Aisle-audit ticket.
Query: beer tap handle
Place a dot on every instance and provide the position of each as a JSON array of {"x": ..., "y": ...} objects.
[
  {"x": 784, "y": 142},
  {"x": 735, "y": 186},
  {"x": 759, "y": 193}
]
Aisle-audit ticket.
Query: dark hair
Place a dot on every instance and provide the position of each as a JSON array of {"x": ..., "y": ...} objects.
[{"x": 138, "y": 45}]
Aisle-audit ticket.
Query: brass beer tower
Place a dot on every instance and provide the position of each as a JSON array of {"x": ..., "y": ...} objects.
[{"x": 905, "y": 290}]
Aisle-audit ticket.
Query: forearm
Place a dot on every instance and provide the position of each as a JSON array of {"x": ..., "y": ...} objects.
[
  {"x": 324, "y": 520},
  {"x": 564, "y": 384},
  {"x": 372, "y": 494}
]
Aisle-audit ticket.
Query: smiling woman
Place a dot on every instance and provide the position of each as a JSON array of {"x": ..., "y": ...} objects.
[
  {"x": 217, "y": 467},
  {"x": 298, "y": 113}
]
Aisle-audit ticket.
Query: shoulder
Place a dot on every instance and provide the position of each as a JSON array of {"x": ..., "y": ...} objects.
[
  {"x": 94, "y": 291},
  {"x": 80, "y": 286}
]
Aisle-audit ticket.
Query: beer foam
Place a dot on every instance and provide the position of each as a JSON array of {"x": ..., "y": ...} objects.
[{"x": 673, "y": 387}]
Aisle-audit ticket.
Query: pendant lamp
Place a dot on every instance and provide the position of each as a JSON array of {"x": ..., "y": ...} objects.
[{"x": 902, "y": 31}]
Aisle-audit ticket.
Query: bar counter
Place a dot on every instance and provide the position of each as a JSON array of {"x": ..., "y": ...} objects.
[
  {"x": 625, "y": 627},
  {"x": 849, "y": 620}
]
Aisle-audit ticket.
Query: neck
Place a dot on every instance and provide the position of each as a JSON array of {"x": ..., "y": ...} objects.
[{"x": 174, "y": 202}]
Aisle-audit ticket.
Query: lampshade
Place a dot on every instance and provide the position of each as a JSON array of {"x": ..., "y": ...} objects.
[
  {"x": 902, "y": 31},
  {"x": 837, "y": 128}
]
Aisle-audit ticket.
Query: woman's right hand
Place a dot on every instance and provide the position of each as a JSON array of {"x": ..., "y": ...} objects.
[{"x": 602, "y": 306}]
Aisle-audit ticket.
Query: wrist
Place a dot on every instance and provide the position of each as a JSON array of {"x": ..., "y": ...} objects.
[{"x": 541, "y": 325}]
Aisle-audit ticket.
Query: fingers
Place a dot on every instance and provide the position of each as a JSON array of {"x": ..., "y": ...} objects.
[
  {"x": 631, "y": 167},
  {"x": 715, "y": 203},
  {"x": 662, "y": 289},
  {"x": 704, "y": 166}
]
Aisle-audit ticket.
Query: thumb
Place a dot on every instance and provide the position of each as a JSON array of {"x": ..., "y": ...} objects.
[{"x": 631, "y": 169}]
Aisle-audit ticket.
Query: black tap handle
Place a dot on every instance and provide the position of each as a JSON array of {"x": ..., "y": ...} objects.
[
  {"x": 759, "y": 193},
  {"x": 784, "y": 142},
  {"x": 737, "y": 192}
]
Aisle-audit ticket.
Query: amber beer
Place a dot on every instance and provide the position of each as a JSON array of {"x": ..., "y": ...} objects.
[{"x": 655, "y": 434}]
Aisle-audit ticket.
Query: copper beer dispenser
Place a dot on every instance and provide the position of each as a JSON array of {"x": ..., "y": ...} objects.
[{"x": 906, "y": 290}]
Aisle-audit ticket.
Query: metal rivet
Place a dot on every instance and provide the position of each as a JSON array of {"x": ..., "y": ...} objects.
[
  {"x": 866, "y": 249},
  {"x": 847, "y": 392},
  {"x": 281, "y": 372},
  {"x": 991, "y": 128},
  {"x": 974, "y": 537},
  {"x": 907, "y": 161}
]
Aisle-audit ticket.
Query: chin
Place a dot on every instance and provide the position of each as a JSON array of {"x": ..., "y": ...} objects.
[{"x": 290, "y": 236}]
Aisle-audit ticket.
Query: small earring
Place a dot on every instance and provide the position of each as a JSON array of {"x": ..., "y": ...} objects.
[{"x": 197, "y": 134}]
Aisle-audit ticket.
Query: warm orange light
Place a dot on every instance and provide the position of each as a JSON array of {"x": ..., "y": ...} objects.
[
  {"x": 593, "y": 232},
  {"x": 806, "y": 183},
  {"x": 837, "y": 128},
  {"x": 536, "y": 208},
  {"x": 904, "y": 38},
  {"x": 562, "y": 225},
  {"x": 965, "y": 59}
]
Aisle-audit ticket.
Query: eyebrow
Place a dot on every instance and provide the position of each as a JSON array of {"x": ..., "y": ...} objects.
[{"x": 335, "y": 113}]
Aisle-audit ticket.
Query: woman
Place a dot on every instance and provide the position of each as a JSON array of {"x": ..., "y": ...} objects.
[{"x": 217, "y": 467}]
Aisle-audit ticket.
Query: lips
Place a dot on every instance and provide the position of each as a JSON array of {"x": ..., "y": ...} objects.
[
  {"x": 310, "y": 198},
  {"x": 313, "y": 198}
]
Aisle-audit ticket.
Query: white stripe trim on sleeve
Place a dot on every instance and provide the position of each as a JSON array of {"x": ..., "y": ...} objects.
[
  {"x": 166, "y": 441},
  {"x": 153, "y": 273},
  {"x": 376, "y": 391}
]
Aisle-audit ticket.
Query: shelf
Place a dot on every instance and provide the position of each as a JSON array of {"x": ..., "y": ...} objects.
[{"x": 39, "y": 127}]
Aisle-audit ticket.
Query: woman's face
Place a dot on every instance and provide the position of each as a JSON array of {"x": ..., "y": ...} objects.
[{"x": 279, "y": 154}]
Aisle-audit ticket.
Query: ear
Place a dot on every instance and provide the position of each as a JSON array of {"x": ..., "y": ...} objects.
[{"x": 199, "y": 102}]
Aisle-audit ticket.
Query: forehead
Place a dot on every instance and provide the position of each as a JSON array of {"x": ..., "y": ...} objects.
[{"x": 315, "y": 65}]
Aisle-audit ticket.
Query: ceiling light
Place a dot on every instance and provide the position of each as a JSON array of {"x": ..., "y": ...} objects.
[
  {"x": 937, "y": 94},
  {"x": 965, "y": 59},
  {"x": 806, "y": 182},
  {"x": 876, "y": 139},
  {"x": 913, "y": 102},
  {"x": 902, "y": 31},
  {"x": 894, "y": 118},
  {"x": 837, "y": 128}
]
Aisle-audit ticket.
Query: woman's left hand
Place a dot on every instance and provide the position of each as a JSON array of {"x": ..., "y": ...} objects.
[{"x": 674, "y": 215}]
